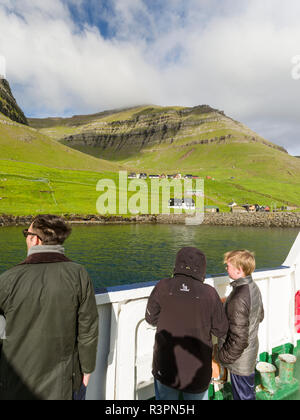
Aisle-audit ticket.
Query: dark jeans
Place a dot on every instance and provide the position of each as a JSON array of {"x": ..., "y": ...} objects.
[
  {"x": 80, "y": 394},
  {"x": 243, "y": 387},
  {"x": 163, "y": 392}
]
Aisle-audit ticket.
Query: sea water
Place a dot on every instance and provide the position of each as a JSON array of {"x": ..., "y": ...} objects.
[{"x": 126, "y": 254}]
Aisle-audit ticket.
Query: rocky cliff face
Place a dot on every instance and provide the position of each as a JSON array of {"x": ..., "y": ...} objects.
[
  {"x": 8, "y": 104},
  {"x": 152, "y": 127}
]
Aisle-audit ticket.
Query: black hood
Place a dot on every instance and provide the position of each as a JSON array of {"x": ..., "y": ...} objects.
[{"x": 191, "y": 262}]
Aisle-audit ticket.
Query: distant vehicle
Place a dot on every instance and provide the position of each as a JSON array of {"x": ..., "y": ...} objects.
[{"x": 153, "y": 176}]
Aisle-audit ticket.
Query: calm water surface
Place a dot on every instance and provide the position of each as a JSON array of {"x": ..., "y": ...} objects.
[{"x": 124, "y": 254}]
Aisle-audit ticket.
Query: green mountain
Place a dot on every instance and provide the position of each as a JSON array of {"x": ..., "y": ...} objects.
[
  {"x": 54, "y": 164},
  {"x": 121, "y": 134},
  {"x": 19, "y": 142},
  {"x": 40, "y": 175},
  {"x": 8, "y": 104},
  {"x": 237, "y": 163}
]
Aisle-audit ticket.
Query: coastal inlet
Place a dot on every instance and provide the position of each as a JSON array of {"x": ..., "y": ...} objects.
[{"x": 119, "y": 254}]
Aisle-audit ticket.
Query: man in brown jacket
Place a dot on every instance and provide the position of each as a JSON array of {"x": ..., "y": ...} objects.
[
  {"x": 51, "y": 317},
  {"x": 186, "y": 312}
]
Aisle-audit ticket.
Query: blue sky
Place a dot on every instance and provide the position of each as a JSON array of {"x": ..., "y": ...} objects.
[
  {"x": 68, "y": 57},
  {"x": 94, "y": 14}
]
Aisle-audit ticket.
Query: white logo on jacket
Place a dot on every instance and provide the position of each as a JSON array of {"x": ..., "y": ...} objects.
[{"x": 184, "y": 288}]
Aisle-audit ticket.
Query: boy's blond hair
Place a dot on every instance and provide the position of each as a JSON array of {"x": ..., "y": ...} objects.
[{"x": 242, "y": 259}]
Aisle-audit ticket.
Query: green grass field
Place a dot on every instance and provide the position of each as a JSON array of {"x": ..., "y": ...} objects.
[
  {"x": 40, "y": 175},
  {"x": 27, "y": 189},
  {"x": 31, "y": 189}
]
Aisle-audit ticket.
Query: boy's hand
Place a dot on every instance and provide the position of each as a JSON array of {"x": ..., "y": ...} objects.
[{"x": 86, "y": 378}]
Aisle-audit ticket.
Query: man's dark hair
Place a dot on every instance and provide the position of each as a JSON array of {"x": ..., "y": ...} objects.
[{"x": 53, "y": 230}]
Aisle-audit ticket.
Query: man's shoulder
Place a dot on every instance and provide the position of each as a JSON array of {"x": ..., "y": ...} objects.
[
  {"x": 8, "y": 277},
  {"x": 75, "y": 267},
  {"x": 20, "y": 268},
  {"x": 11, "y": 271},
  {"x": 73, "y": 264}
]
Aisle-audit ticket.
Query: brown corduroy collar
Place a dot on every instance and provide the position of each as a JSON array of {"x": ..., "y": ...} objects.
[{"x": 45, "y": 257}]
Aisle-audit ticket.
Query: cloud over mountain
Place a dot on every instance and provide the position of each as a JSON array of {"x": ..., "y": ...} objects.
[{"x": 78, "y": 56}]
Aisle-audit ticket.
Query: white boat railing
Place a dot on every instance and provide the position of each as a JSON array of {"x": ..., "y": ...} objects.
[{"x": 124, "y": 359}]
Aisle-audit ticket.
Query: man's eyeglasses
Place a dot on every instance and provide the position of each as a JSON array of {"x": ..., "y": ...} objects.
[{"x": 26, "y": 233}]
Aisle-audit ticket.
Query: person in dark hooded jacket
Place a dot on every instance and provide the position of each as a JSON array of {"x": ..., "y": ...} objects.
[{"x": 186, "y": 313}]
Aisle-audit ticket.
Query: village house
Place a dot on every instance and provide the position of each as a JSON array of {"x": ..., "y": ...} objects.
[
  {"x": 182, "y": 203},
  {"x": 211, "y": 209},
  {"x": 142, "y": 176}
]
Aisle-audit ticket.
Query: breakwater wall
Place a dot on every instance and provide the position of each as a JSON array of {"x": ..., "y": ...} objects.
[
  {"x": 254, "y": 219},
  {"x": 241, "y": 219},
  {"x": 280, "y": 219}
]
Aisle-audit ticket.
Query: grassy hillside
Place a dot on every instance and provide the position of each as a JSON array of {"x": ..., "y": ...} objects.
[
  {"x": 122, "y": 134},
  {"x": 32, "y": 189},
  {"x": 21, "y": 143},
  {"x": 38, "y": 174},
  {"x": 239, "y": 172},
  {"x": 29, "y": 189},
  {"x": 80, "y": 120}
]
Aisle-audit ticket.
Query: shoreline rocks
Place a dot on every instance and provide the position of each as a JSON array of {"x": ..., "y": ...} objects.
[{"x": 275, "y": 219}]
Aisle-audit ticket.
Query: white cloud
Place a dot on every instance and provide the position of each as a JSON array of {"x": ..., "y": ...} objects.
[
  {"x": 2, "y": 67},
  {"x": 237, "y": 58}
]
